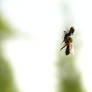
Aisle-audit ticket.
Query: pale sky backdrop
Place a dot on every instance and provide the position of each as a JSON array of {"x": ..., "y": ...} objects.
[{"x": 33, "y": 54}]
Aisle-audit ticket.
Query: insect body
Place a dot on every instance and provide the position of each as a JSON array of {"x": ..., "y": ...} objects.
[{"x": 68, "y": 41}]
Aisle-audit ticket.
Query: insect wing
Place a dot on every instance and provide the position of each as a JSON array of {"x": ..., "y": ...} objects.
[{"x": 71, "y": 49}]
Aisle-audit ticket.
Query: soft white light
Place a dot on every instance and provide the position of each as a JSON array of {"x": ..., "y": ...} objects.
[{"x": 42, "y": 19}]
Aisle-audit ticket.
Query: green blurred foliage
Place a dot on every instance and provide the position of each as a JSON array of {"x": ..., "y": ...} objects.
[
  {"x": 6, "y": 78},
  {"x": 5, "y": 28},
  {"x": 7, "y": 83},
  {"x": 69, "y": 77}
]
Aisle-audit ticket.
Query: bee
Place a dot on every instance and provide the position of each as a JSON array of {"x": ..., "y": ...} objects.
[{"x": 68, "y": 41}]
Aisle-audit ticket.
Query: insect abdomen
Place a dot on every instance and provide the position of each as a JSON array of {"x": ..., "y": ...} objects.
[{"x": 67, "y": 52}]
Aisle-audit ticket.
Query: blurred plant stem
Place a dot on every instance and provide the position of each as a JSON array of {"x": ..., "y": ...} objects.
[{"x": 69, "y": 77}]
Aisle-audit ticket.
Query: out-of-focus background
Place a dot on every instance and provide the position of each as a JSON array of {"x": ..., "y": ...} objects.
[{"x": 38, "y": 25}]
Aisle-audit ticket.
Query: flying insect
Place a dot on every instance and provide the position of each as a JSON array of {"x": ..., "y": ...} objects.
[{"x": 68, "y": 41}]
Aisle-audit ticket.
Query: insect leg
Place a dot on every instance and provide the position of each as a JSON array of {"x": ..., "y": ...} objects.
[{"x": 63, "y": 47}]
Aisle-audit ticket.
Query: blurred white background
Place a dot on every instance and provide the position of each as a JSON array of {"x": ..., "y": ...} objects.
[{"x": 33, "y": 57}]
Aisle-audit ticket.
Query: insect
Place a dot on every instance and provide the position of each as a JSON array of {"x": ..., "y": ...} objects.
[{"x": 68, "y": 42}]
